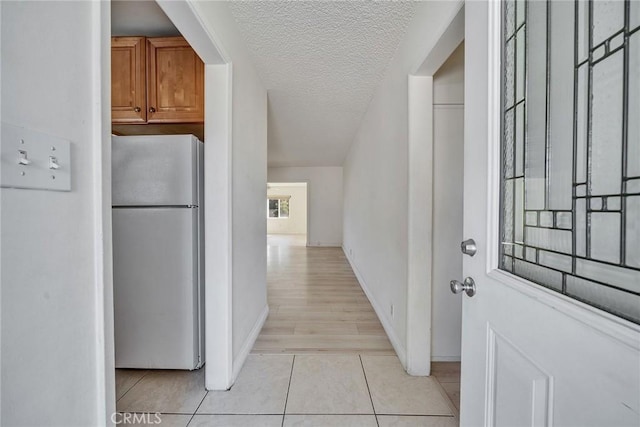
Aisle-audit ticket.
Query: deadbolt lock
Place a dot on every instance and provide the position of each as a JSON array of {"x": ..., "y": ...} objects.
[{"x": 468, "y": 247}]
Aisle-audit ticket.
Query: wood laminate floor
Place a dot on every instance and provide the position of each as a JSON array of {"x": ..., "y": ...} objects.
[{"x": 316, "y": 304}]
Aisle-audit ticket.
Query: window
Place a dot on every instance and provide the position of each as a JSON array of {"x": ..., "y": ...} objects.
[
  {"x": 278, "y": 206},
  {"x": 570, "y": 181}
]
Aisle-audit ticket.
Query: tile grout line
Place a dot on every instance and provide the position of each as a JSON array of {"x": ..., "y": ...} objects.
[
  {"x": 391, "y": 414},
  {"x": 199, "y": 405},
  {"x": 448, "y": 400},
  {"x": 257, "y": 414},
  {"x": 169, "y": 413},
  {"x": 352, "y": 414},
  {"x": 368, "y": 390},
  {"x": 286, "y": 400},
  {"x": 130, "y": 388}
]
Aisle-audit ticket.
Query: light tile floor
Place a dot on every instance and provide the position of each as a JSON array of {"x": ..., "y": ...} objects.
[{"x": 301, "y": 390}]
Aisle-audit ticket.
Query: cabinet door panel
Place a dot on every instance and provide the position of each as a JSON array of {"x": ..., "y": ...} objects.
[
  {"x": 128, "y": 88},
  {"x": 175, "y": 82}
]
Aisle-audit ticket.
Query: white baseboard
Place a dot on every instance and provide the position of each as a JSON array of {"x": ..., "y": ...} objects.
[
  {"x": 325, "y": 245},
  {"x": 238, "y": 362},
  {"x": 445, "y": 358},
  {"x": 386, "y": 323}
]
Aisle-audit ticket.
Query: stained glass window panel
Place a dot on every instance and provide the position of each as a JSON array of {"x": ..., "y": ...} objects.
[{"x": 570, "y": 193}]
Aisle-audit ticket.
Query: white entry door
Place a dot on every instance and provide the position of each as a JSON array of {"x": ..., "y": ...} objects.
[{"x": 552, "y": 200}]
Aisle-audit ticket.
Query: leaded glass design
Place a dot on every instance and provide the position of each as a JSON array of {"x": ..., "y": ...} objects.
[{"x": 570, "y": 187}]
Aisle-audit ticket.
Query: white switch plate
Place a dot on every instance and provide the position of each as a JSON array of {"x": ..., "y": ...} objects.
[{"x": 39, "y": 148}]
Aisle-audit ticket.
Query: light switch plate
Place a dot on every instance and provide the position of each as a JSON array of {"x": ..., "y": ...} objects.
[{"x": 40, "y": 153}]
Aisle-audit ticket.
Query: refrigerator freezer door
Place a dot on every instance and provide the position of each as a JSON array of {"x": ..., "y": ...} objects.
[
  {"x": 158, "y": 170},
  {"x": 155, "y": 264}
]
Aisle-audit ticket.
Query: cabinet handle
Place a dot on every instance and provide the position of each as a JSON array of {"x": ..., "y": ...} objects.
[
  {"x": 137, "y": 109},
  {"x": 152, "y": 110}
]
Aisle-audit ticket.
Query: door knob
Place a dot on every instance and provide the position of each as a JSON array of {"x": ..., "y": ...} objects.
[
  {"x": 468, "y": 247},
  {"x": 137, "y": 109},
  {"x": 152, "y": 110},
  {"x": 468, "y": 286}
]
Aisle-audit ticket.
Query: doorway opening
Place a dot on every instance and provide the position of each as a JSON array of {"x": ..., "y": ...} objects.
[
  {"x": 157, "y": 191},
  {"x": 216, "y": 238},
  {"x": 316, "y": 304},
  {"x": 287, "y": 214},
  {"x": 448, "y": 160},
  {"x": 436, "y": 140},
  {"x": 448, "y": 144},
  {"x": 436, "y": 123}
]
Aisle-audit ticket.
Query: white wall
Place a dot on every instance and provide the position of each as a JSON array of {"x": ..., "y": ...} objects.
[
  {"x": 52, "y": 275},
  {"x": 375, "y": 178},
  {"x": 0, "y": 229},
  {"x": 296, "y": 223},
  {"x": 249, "y": 178},
  {"x": 448, "y": 152},
  {"x": 325, "y": 200}
]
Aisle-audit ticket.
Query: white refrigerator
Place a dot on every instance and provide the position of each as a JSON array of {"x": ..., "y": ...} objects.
[{"x": 158, "y": 248}]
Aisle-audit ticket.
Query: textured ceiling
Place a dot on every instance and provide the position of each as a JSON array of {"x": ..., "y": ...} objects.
[{"x": 321, "y": 63}]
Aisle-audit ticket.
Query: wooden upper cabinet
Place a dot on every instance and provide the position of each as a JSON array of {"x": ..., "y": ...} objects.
[
  {"x": 128, "y": 81},
  {"x": 175, "y": 82}
]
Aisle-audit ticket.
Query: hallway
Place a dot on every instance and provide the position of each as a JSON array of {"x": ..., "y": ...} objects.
[
  {"x": 322, "y": 359},
  {"x": 316, "y": 304}
]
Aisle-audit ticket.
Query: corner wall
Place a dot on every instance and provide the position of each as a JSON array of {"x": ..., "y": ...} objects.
[
  {"x": 376, "y": 179},
  {"x": 249, "y": 180},
  {"x": 324, "y": 191}
]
